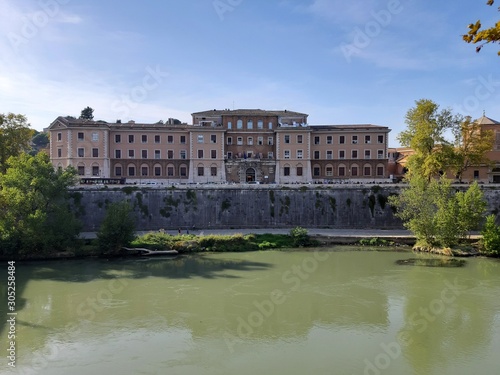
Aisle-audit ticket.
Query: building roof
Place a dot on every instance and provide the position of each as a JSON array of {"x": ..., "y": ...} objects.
[
  {"x": 349, "y": 127},
  {"x": 248, "y": 112},
  {"x": 72, "y": 122},
  {"x": 487, "y": 121}
]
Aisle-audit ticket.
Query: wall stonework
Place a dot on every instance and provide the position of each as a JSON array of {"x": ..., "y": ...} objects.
[{"x": 252, "y": 207}]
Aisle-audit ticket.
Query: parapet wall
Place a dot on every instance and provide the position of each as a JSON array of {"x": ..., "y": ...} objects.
[{"x": 348, "y": 206}]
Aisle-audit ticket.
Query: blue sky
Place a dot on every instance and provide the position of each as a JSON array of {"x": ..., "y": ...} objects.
[{"x": 342, "y": 62}]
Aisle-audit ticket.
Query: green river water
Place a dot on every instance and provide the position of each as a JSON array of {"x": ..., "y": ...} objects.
[{"x": 275, "y": 312}]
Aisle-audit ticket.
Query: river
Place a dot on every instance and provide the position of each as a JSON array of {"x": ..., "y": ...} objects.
[{"x": 273, "y": 312}]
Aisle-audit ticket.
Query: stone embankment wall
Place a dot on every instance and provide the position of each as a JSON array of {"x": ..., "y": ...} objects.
[{"x": 325, "y": 206}]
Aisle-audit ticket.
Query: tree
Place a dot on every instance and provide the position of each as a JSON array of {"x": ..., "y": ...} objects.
[
  {"x": 15, "y": 137},
  {"x": 483, "y": 36},
  {"x": 87, "y": 114},
  {"x": 426, "y": 136},
  {"x": 491, "y": 237},
  {"x": 117, "y": 229},
  {"x": 36, "y": 215},
  {"x": 470, "y": 146}
]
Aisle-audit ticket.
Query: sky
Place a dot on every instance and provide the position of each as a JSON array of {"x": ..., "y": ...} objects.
[{"x": 341, "y": 62}]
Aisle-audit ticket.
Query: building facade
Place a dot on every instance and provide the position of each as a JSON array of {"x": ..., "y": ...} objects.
[{"x": 222, "y": 146}]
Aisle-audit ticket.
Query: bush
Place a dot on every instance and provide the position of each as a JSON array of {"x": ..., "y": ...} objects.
[
  {"x": 300, "y": 236},
  {"x": 491, "y": 237},
  {"x": 117, "y": 228}
]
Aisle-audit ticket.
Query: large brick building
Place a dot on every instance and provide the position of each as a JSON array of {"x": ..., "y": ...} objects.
[{"x": 236, "y": 146}]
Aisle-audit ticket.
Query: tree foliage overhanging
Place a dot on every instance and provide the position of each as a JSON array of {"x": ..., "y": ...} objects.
[
  {"x": 15, "y": 137},
  {"x": 483, "y": 36}
]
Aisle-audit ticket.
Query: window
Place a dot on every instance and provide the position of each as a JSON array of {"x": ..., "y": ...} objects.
[
  {"x": 229, "y": 140},
  {"x": 270, "y": 125},
  {"x": 131, "y": 153},
  {"x": 299, "y": 154},
  {"x": 316, "y": 171},
  {"x": 131, "y": 171},
  {"x": 287, "y": 154},
  {"x": 157, "y": 154},
  {"x": 342, "y": 139},
  {"x": 476, "y": 175},
  {"x": 270, "y": 141},
  {"x": 329, "y": 140},
  {"x": 287, "y": 138},
  {"x": 341, "y": 171},
  {"x": 260, "y": 141},
  {"x": 368, "y": 139},
  {"x": 81, "y": 152},
  {"x": 380, "y": 171},
  {"x": 157, "y": 171},
  {"x": 95, "y": 137},
  {"x": 239, "y": 124},
  {"x": 270, "y": 155},
  {"x": 354, "y": 154},
  {"x": 59, "y": 137},
  {"x": 144, "y": 138},
  {"x": 170, "y": 171},
  {"x": 229, "y": 155},
  {"x": 81, "y": 170},
  {"x": 260, "y": 124},
  {"x": 239, "y": 141},
  {"x": 250, "y": 141},
  {"x": 341, "y": 154},
  {"x": 380, "y": 139},
  {"x": 118, "y": 171},
  {"x": 200, "y": 139},
  {"x": 354, "y": 139},
  {"x": 249, "y": 124},
  {"x": 213, "y": 171},
  {"x": 249, "y": 154},
  {"x": 299, "y": 138},
  {"x": 354, "y": 171},
  {"x": 157, "y": 139},
  {"x": 183, "y": 171},
  {"x": 316, "y": 140},
  {"x": 130, "y": 138},
  {"x": 200, "y": 154},
  {"x": 144, "y": 154},
  {"x": 213, "y": 154},
  {"x": 95, "y": 170},
  {"x": 183, "y": 139},
  {"x": 201, "y": 171},
  {"x": 213, "y": 138},
  {"x": 170, "y": 139},
  {"x": 118, "y": 138},
  {"x": 367, "y": 171},
  {"x": 229, "y": 125},
  {"x": 59, "y": 152},
  {"x": 380, "y": 154},
  {"x": 170, "y": 154},
  {"x": 144, "y": 171},
  {"x": 367, "y": 154},
  {"x": 95, "y": 152},
  {"x": 329, "y": 154},
  {"x": 286, "y": 171},
  {"x": 81, "y": 137},
  {"x": 316, "y": 154},
  {"x": 329, "y": 171},
  {"x": 299, "y": 171},
  {"x": 183, "y": 154}
]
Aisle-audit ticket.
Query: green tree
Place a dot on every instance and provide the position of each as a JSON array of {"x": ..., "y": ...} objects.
[
  {"x": 36, "y": 216},
  {"x": 470, "y": 146},
  {"x": 491, "y": 237},
  {"x": 471, "y": 209},
  {"x": 425, "y": 134},
  {"x": 15, "y": 137},
  {"x": 483, "y": 36},
  {"x": 87, "y": 114},
  {"x": 117, "y": 229}
]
